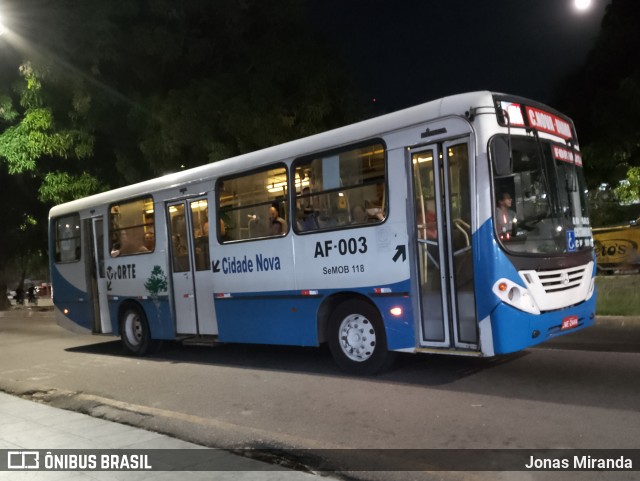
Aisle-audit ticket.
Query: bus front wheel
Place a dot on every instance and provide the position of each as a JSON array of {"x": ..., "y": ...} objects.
[
  {"x": 134, "y": 331},
  {"x": 357, "y": 338}
]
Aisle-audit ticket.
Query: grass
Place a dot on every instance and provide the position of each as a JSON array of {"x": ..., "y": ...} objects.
[{"x": 618, "y": 295}]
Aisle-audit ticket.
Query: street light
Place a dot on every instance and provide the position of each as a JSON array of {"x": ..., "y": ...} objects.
[{"x": 582, "y": 5}]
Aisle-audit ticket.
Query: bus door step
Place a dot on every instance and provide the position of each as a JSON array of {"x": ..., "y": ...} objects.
[{"x": 201, "y": 341}]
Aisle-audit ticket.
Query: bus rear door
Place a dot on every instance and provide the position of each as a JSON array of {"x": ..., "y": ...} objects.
[
  {"x": 94, "y": 246},
  {"x": 442, "y": 196},
  {"x": 188, "y": 229}
]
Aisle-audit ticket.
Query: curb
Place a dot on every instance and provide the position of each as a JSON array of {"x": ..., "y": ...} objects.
[{"x": 618, "y": 321}]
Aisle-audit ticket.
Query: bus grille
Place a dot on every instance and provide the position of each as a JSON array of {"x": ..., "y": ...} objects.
[
  {"x": 559, "y": 288},
  {"x": 555, "y": 281}
]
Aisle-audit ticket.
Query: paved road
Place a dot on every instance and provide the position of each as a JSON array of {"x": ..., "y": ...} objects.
[{"x": 578, "y": 393}]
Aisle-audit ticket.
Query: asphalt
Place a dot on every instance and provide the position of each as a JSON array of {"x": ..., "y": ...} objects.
[
  {"x": 27, "y": 425},
  {"x": 30, "y": 426}
]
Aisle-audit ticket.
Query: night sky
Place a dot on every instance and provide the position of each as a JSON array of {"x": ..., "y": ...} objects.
[{"x": 406, "y": 52}]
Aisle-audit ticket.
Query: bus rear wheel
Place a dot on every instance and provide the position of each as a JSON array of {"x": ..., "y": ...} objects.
[
  {"x": 134, "y": 331},
  {"x": 357, "y": 338}
]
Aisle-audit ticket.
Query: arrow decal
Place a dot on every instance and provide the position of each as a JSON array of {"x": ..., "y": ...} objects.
[{"x": 401, "y": 250}]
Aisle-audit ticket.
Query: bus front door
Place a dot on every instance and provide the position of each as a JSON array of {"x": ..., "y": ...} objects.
[
  {"x": 188, "y": 228},
  {"x": 442, "y": 194}
]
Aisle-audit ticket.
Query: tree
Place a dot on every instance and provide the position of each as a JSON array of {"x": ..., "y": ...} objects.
[
  {"x": 629, "y": 190},
  {"x": 31, "y": 144},
  {"x": 124, "y": 91},
  {"x": 171, "y": 85}
]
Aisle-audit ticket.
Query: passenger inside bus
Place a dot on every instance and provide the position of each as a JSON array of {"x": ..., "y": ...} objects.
[
  {"x": 278, "y": 226},
  {"x": 307, "y": 216},
  {"x": 149, "y": 240},
  {"x": 375, "y": 208},
  {"x": 505, "y": 217},
  {"x": 359, "y": 215},
  {"x": 130, "y": 241}
]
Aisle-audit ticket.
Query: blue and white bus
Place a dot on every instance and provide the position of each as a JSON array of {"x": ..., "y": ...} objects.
[{"x": 459, "y": 226}]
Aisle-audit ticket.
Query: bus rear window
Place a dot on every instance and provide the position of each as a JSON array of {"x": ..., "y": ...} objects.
[
  {"x": 341, "y": 189},
  {"x": 132, "y": 227},
  {"x": 67, "y": 242}
]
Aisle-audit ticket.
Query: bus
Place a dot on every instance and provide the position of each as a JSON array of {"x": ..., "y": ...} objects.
[{"x": 380, "y": 237}]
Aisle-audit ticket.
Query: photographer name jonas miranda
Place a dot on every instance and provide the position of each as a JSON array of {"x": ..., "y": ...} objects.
[{"x": 579, "y": 463}]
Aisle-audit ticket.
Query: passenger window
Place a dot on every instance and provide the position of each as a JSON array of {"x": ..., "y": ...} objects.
[
  {"x": 68, "y": 239},
  {"x": 132, "y": 228},
  {"x": 341, "y": 189},
  {"x": 253, "y": 206}
]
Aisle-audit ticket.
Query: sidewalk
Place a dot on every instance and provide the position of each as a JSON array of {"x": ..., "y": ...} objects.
[{"x": 27, "y": 425}]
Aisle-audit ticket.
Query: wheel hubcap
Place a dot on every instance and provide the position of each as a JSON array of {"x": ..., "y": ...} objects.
[
  {"x": 357, "y": 337},
  {"x": 133, "y": 329}
]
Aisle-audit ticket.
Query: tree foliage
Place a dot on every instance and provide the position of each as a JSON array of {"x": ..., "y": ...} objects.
[
  {"x": 628, "y": 191},
  {"x": 33, "y": 136},
  {"x": 166, "y": 85},
  {"x": 97, "y": 94}
]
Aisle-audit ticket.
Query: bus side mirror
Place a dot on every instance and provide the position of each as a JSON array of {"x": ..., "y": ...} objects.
[{"x": 501, "y": 156}]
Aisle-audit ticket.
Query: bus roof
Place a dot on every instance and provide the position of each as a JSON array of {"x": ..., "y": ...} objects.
[{"x": 366, "y": 129}]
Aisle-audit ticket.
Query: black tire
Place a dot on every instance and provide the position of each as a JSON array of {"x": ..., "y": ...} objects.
[
  {"x": 134, "y": 331},
  {"x": 357, "y": 338}
]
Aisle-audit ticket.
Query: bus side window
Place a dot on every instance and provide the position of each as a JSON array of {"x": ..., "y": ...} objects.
[
  {"x": 253, "y": 205},
  {"x": 334, "y": 188},
  {"x": 132, "y": 227}
]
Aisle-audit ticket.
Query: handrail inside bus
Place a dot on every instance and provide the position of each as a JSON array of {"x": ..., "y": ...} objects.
[{"x": 457, "y": 223}]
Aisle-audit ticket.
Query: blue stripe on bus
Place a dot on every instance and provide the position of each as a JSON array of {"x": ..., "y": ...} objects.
[
  {"x": 289, "y": 318},
  {"x": 490, "y": 264},
  {"x": 67, "y": 296}
]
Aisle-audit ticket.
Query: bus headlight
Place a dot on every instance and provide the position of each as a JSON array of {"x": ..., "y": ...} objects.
[{"x": 517, "y": 296}]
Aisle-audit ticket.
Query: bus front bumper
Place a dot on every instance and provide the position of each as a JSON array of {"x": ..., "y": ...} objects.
[{"x": 514, "y": 330}]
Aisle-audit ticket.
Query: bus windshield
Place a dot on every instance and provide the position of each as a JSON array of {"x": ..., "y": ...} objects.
[{"x": 540, "y": 192}]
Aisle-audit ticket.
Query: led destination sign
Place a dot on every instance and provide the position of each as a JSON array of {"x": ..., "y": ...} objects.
[{"x": 538, "y": 119}]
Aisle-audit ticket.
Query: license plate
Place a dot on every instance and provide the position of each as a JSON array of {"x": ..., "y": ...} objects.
[{"x": 569, "y": 322}]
